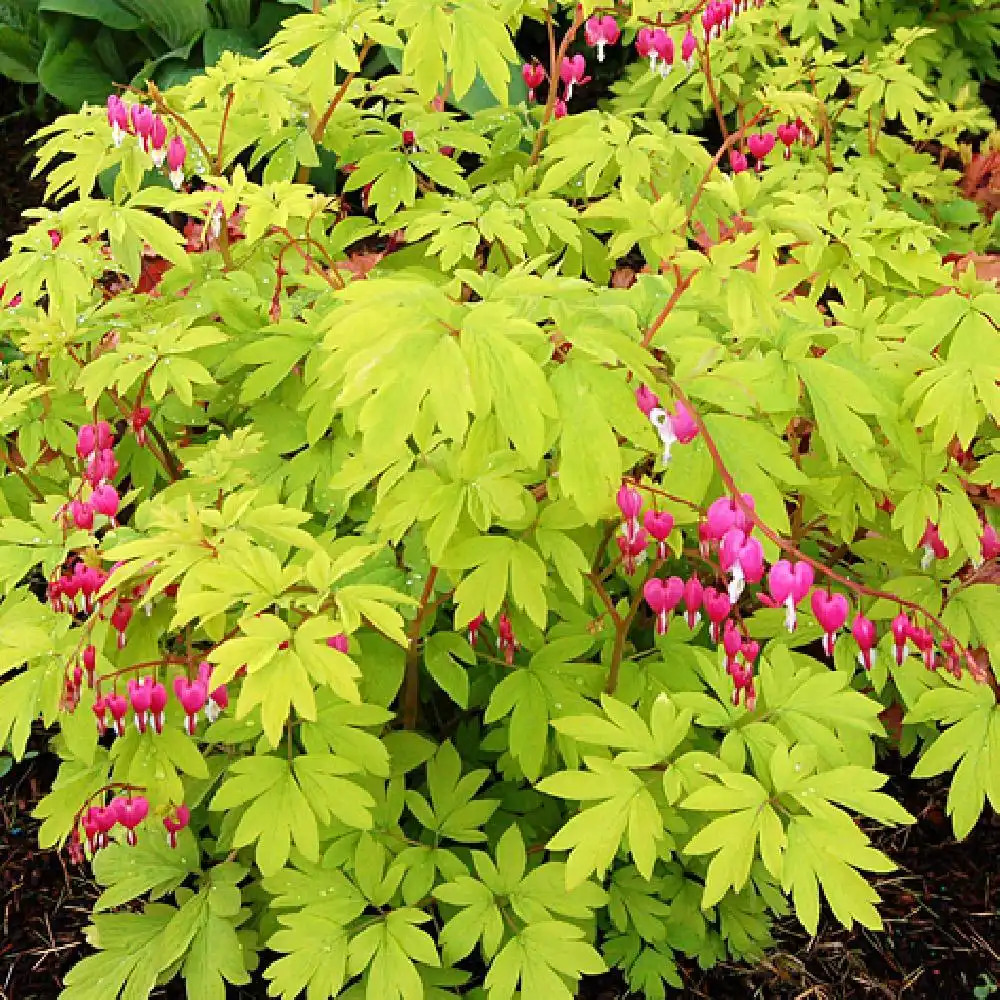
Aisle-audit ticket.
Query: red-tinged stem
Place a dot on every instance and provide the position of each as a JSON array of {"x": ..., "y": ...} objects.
[
  {"x": 680, "y": 288},
  {"x": 222, "y": 131},
  {"x": 788, "y": 547},
  {"x": 555, "y": 64},
  {"x": 713, "y": 93},
  {"x": 145, "y": 665},
  {"x": 411, "y": 681},
  {"x": 730, "y": 141}
]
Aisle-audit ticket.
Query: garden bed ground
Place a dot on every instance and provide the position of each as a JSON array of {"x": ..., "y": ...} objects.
[{"x": 942, "y": 933}]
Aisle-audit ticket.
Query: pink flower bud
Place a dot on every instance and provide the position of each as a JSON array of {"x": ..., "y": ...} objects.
[
  {"x": 120, "y": 619},
  {"x": 990, "y": 542},
  {"x": 473, "y": 627},
  {"x": 118, "y": 707},
  {"x": 788, "y": 134},
  {"x": 86, "y": 441},
  {"x": 176, "y": 155},
  {"x": 105, "y": 500},
  {"x": 717, "y": 607},
  {"x": 340, "y": 642},
  {"x": 175, "y": 823},
  {"x": 629, "y": 501},
  {"x": 83, "y": 514},
  {"x": 561, "y": 110},
  {"x": 659, "y": 524},
  {"x": 863, "y": 630},
  {"x": 683, "y": 424},
  {"x": 900, "y": 633},
  {"x": 737, "y": 161},
  {"x": 646, "y": 399},
  {"x": 688, "y": 47},
  {"x": 533, "y": 75}
]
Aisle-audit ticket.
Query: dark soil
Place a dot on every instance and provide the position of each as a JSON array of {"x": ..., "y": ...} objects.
[
  {"x": 941, "y": 938},
  {"x": 18, "y": 190}
]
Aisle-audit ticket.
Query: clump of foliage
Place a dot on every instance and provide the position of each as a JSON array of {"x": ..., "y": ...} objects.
[{"x": 457, "y": 565}]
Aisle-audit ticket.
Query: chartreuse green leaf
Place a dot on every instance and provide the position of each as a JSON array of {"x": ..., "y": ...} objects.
[
  {"x": 453, "y": 811},
  {"x": 136, "y": 948},
  {"x": 287, "y": 802},
  {"x": 544, "y": 959},
  {"x": 446, "y": 656},
  {"x": 970, "y": 739}
]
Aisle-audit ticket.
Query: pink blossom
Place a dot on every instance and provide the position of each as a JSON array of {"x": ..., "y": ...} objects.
[
  {"x": 831, "y": 612},
  {"x": 601, "y": 31}
]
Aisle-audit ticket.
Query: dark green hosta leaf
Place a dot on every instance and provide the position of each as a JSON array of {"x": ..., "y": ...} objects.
[
  {"x": 175, "y": 21},
  {"x": 72, "y": 73},
  {"x": 18, "y": 56},
  {"x": 108, "y": 12},
  {"x": 219, "y": 40}
]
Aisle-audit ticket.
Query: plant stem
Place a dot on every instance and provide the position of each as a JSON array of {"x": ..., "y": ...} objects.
[
  {"x": 555, "y": 64},
  {"x": 411, "y": 680},
  {"x": 679, "y": 289},
  {"x": 713, "y": 93}
]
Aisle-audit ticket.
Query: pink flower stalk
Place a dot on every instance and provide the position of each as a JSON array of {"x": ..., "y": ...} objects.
[
  {"x": 533, "y": 75},
  {"x": 737, "y": 161},
  {"x": 646, "y": 400},
  {"x": 989, "y": 543},
  {"x": 141, "y": 695},
  {"x": 932, "y": 545},
  {"x": 688, "y": 48},
  {"x": 601, "y": 31},
  {"x": 176, "y": 155},
  {"x": 633, "y": 550},
  {"x": 664, "y": 46},
  {"x": 831, "y": 612},
  {"x": 473, "y": 628},
  {"x": 130, "y": 812},
  {"x": 158, "y": 141},
  {"x": 339, "y": 642},
  {"x": 863, "y": 630},
  {"x": 192, "y": 695},
  {"x": 629, "y": 502},
  {"x": 663, "y": 596},
  {"x": 118, "y": 707},
  {"x": 717, "y": 607},
  {"x": 118, "y": 118},
  {"x": 175, "y": 823},
  {"x": 659, "y": 524},
  {"x": 506, "y": 641},
  {"x": 760, "y": 145},
  {"x": 120, "y": 619},
  {"x": 83, "y": 514},
  {"x": 788, "y": 134},
  {"x": 693, "y": 594},
  {"x": 572, "y": 72},
  {"x": 789, "y": 584}
]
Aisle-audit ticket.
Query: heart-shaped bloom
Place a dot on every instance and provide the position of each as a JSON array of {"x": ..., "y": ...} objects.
[
  {"x": 118, "y": 707},
  {"x": 141, "y": 695},
  {"x": 789, "y": 135},
  {"x": 760, "y": 145},
  {"x": 717, "y": 607},
  {"x": 176, "y": 155},
  {"x": 737, "y": 161},
  {"x": 130, "y": 811},
  {"x": 688, "y": 46},
  {"x": 646, "y": 400},
  {"x": 831, "y": 612},
  {"x": 573, "y": 72},
  {"x": 663, "y": 596},
  {"x": 863, "y": 630},
  {"x": 533, "y": 74},
  {"x": 192, "y": 695},
  {"x": 659, "y": 524},
  {"x": 900, "y": 633},
  {"x": 176, "y": 822},
  {"x": 601, "y": 31},
  {"x": 693, "y": 594}
]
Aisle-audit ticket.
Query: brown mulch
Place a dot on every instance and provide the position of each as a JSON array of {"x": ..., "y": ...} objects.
[{"x": 941, "y": 938}]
